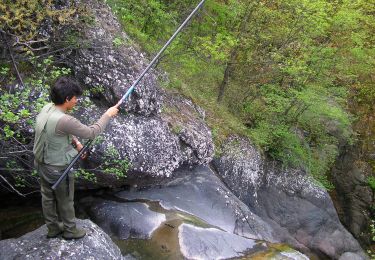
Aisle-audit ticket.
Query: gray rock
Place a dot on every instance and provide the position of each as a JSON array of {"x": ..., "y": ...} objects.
[
  {"x": 34, "y": 245},
  {"x": 110, "y": 70},
  {"x": 211, "y": 222},
  {"x": 350, "y": 256},
  {"x": 125, "y": 220},
  {"x": 288, "y": 200},
  {"x": 200, "y": 193},
  {"x": 187, "y": 121},
  {"x": 147, "y": 142},
  {"x": 212, "y": 243},
  {"x": 150, "y": 143},
  {"x": 241, "y": 166},
  {"x": 289, "y": 255},
  {"x": 355, "y": 197},
  {"x": 147, "y": 138}
]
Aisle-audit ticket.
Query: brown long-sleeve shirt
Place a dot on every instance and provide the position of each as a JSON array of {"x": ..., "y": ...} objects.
[{"x": 71, "y": 125}]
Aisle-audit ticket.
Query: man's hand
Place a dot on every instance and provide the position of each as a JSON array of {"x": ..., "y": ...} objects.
[
  {"x": 78, "y": 147},
  {"x": 112, "y": 111}
]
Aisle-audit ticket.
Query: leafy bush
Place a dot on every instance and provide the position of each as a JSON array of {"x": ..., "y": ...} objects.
[
  {"x": 371, "y": 182},
  {"x": 114, "y": 164},
  {"x": 19, "y": 105}
]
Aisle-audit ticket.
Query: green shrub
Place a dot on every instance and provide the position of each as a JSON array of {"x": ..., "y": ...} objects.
[{"x": 371, "y": 182}]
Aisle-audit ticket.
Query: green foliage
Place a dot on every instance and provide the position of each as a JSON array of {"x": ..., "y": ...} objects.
[
  {"x": 17, "y": 107},
  {"x": 371, "y": 182},
  {"x": 34, "y": 173},
  {"x": 24, "y": 18},
  {"x": 86, "y": 175},
  {"x": 298, "y": 127},
  {"x": 371, "y": 252},
  {"x": 8, "y": 132},
  {"x": 114, "y": 164},
  {"x": 117, "y": 41},
  {"x": 177, "y": 129},
  {"x": 143, "y": 18},
  {"x": 4, "y": 70},
  {"x": 97, "y": 90},
  {"x": 98, "y": 140},
  {"x": 20, "y": 182}
]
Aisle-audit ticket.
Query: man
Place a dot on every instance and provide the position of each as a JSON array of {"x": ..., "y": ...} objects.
[{"x": 55, "y": 139}]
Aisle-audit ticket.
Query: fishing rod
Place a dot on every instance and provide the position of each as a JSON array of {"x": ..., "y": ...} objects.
[{"x": 128, "y": 92}]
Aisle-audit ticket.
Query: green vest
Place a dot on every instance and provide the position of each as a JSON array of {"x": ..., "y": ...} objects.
[{"x": 50, "y": 148}]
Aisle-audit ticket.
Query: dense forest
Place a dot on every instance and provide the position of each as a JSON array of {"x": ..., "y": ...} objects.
[{"x": 297, "y": 77}]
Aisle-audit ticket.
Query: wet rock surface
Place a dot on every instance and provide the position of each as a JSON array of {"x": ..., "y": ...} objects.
[
  {"x": 35, "y": 245},
  {"x": 211, "y": 243},
  {"x": 288, "y": 200},
  {"x": 198, "y": 192},
  {"x": 192, "y": 216},
  {"x": 125, "y": 220}
]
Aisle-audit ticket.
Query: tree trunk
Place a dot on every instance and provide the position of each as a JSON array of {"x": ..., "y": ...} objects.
[
  {"x": 224, "y": 82},
  {"x": 229, "y": 66}
]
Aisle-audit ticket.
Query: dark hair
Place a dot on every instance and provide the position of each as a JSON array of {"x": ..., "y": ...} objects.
[{"x": 63, "y": 89}]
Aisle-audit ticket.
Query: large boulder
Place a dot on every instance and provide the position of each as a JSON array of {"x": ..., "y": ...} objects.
[
  {"x": 156, "y": 131},
  {"x": 287, "y": 199},
  {"x": 35, "y": 245},
  {"x": 212, "y": 243},
  {"x": 196, "y": 192},
  {"x": 123, "y": 220},
  {"x": 150, "y": 143},
  {"x": 111, "y": 63},
  {"x": 186, "y": 120},
  {"x": 200, "y": 193},
  {"x": 191, "y": 216}
]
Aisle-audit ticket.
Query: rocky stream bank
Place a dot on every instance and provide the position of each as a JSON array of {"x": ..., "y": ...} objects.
[{"x": 178, "y": 201}]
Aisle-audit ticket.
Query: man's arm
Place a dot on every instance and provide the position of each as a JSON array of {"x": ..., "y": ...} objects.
[{"x": 71, "y": 125}]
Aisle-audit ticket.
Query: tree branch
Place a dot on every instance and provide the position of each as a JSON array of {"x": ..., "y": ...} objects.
[
  {"x": 11, "y": 186},
  {"x": 14, "y": 62}
]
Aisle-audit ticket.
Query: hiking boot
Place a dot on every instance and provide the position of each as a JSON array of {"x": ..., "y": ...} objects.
[
  {"x": 54, "y": 231},
  {"x": 76, "y": 233}
]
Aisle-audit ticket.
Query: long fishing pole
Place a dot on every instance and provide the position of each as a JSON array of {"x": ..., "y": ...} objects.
[{"x": 129, "y": 91}]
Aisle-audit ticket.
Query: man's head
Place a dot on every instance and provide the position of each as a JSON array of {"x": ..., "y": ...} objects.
[{"x": 65, "y": 92}]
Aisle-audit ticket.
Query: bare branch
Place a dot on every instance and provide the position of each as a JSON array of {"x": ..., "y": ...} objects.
[
  {"x": 14, "y": 62},
  {"x": 15, "y": 170},
  {"x": 11, "y": 186},
  {"x": 21, "y": 151}
]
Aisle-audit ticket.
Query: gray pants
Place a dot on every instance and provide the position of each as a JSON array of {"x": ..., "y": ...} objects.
[{"x": 57, "y": 204}]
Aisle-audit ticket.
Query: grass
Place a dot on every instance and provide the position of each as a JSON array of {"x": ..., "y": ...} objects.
[{"x": 202, "y": 90}]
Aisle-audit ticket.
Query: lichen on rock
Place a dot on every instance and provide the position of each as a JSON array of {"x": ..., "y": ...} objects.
[{"x": 35, "y": 245}]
